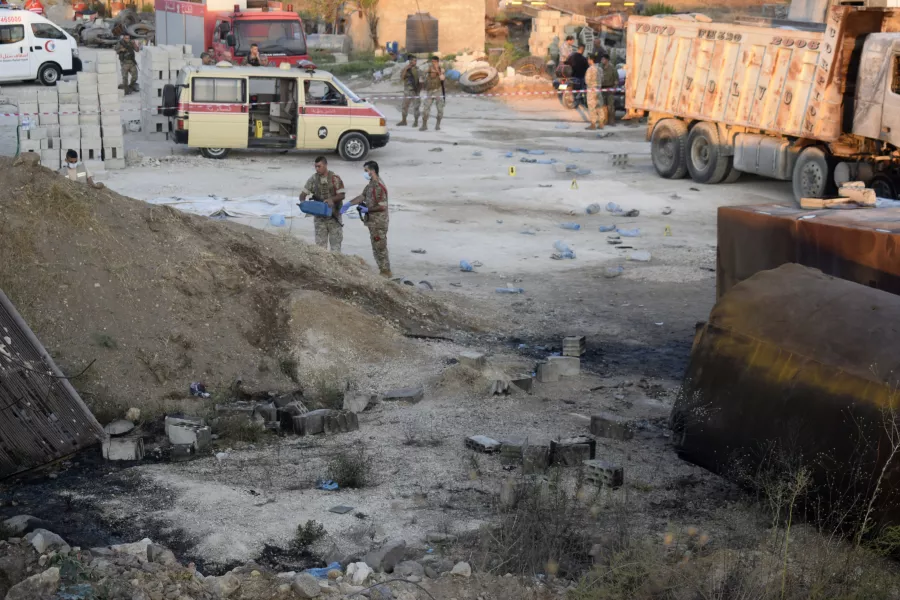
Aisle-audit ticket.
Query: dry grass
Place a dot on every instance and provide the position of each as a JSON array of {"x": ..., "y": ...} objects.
[
  {"x": 351, "y": 469},
  {"x": 239, "y": 429}
]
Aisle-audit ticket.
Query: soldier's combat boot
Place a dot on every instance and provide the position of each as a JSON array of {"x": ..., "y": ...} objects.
[
  {"x": 437, "y": 126},
  {"x": 591, "y": 127},
  {"x": 424, "y": 126},
  {"x": 402, "y": 122},
  {"x": 416, "y": 122}
]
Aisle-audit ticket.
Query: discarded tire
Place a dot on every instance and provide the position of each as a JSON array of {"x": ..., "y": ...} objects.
[
  {"x": 477, "y": 81},
  {"x": 169, "y": 100},
  {"x": 140, "y": 30},
  {"x": 530, "y": 66}
]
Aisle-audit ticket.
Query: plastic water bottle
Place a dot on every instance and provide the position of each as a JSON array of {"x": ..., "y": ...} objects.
[
  {"x": 508, "y": 290},
  {"x": 572, "y": 226},
  {"x": 465, "y": 266},
  {"x": 277, "y": 220},
  {"x": 561, "y": 246},
  {"x": 613, "y": 207},
  {"x": 593, "y": 209},
  {"x": 628, "y": 232}
]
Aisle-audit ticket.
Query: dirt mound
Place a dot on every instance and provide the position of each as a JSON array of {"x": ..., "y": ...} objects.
[{"x": 160, "y": 298}]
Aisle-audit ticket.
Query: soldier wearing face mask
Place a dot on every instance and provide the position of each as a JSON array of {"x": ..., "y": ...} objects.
[{"x": 75, "y": 170}]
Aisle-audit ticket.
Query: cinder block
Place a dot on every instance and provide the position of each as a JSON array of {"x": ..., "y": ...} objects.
[
  {"x": 45, "y": 144},
  {"x": 90, "y": 131},
  {"x": 66, "y": 144},
  {"x": 86, "y": 80},
  {"x": 105, "y": 68},
  {"x": 106, "y": 58},
  {"x": 115, "y": 152},
  {"x": 91, "y": 152},
  {"x": 69, "y": 98},
  {"x": 95, "y": 167},
  {"x": 28, "y": 111},
  {"x": 110, "y": 132},
  {"x": 574, "y": 345},
  {"x": 111, "y": 119},
  {"x": 52, "y": 131},
  {"x": 54, "y": 143},
  {"x": 107, "y": 79},
  {"x": 603, "y": 474},
  {"x": 410, "y": 394},
  {"x": 89, "y": 95},
  {"x": 52, "y": 164},
  {"x": 176, "y": 64},
  {"x": 47, "y": 95},
  {"x": 106, "y": 90},
  {"x": 547, "y": 372},
  {"x": 70, "y": 131},
  {"x": 69, "y": 120},
  {"x": 482, "y": 443},
  {"x": 572, "y": 452},
  {"x": 123, "y": 448},
  {"x": 473, "y": 360},
  {"x": 611, "y": 426},
  {"x": 524, "y": 382},
  {"x": 567, "y": 366},
  {"x": 37, "y": 133},
  {"x": 30, "y": 145},
  {"x": 187, "y": 49},
  {"x": 48, "y": 119},
  {"x": 198, "y": 436},
  {"x": 535, "y": 459},
  {"x": 66, "y": 87},
  {"x": 50, "y": 154}
]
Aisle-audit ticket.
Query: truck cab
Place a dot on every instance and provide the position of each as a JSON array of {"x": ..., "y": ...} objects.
[{"x": 279, "y": 34}]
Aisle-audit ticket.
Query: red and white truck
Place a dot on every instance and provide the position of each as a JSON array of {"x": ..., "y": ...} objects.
[{"x": 230, "y": 28}]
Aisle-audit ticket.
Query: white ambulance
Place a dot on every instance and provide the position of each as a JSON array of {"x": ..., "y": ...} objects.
[{"x": 32, "y": 47}]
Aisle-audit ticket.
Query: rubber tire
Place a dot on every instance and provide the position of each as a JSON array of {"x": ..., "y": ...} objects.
[
  {"x": 676, "y": 131},
  {"x": 812, "y": 163},
  {"x": 531, "y": 66},
  {"x": 346, "y": 150},
  {"x": 209, "y": 153},
  {"x": 887, "y": 184},
  {"x": 478, "y": 81},
  {"x": 705, "y": 137},
  {"x": 169, "y": 100},
  {"x": 733, "y": 174},
  {"x": 140, "y": 30},
  {"x": 49, "y": 74},
  {"x": 567, "y": 100}
]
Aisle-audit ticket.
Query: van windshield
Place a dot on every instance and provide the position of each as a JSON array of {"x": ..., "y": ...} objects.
[
  {"x": 347, "y": 91},
  {"x": 274, "y": 37}
]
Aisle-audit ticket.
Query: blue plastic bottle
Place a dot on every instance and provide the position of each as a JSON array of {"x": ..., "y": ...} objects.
[
  {"x": 572, "y": 226},
  {"x": 465, "y": 266}
]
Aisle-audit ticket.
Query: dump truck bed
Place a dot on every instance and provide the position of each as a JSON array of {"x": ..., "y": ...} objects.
[{"x": 770, "y": 79}]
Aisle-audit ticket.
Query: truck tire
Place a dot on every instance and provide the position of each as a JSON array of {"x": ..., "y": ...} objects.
[
  {"x": 49, "y": 74},
  {"x": 884, "y": 187},
  {"x": 813, "y": 175},
  {"x": 733, "y": 174},
  {"x": 216, "y": 153},
  {"x": 705, "y": 161},
  {"x": 169, "y": 100},
  {"x": 668, "y": 148},
  {"x": 353, "y": 146},
  {"x": 530, "y": 66},
  {"x": 477, "y": 81}
]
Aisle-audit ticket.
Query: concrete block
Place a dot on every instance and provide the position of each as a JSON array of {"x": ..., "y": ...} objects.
[
  {"x": 359, "y": 402},
  {"x": 66, "y": 144},
  {"x": 547, "y": 372},
  {"x": 512, "y": 450},
  {"x": 37, "y": 133},
  {"x": 52, "y": 131},
  {"x": 197, "y": 436},
  {"x": 47, "y": 94},
  {"x": 85, "y": 80},
  {"x": 410, "y": 394},
  {"x": 70, "y": 131},
  {"x": 574, "y": 346},
  {"x": 482, "y": 443},
  {"x": 91, "y": 152},
  {"x": 49, "y": 155},
  {"x": 288, "y": 412},
  {"x": 69, "y": 98},
  {"x": 611, "y": 426},
  {"x": 30, "y": 146},
  {"x": 44, "y": 144},
  {"x": 106, "y": 58},
  {"x": 474, "y": 360},
  {"x": 96, "y": 167},
  {"x": 123, "y": 448},
  {"x": 28, "y": 111},
  {"x": 261, "y": 412},
  {"x": 66, "y": 87},
  {"x": 535, "y": 459},
  {"x": 108, "y": 94},
  {"x": 106, "y": 67},
  {"x": 69, "y": 120},
  {"x": 90, "y": 131},
  {"x": 566, "y": 366},
  {"x": 104, "y": 80},
  {"x": 603, "y": 474},
  {"x": 54, "y": 143},
  {"x": 115, "y": 164},
  {"x": 572, "y": 452},
  {"x": 176, "y": 421},
  {"x": 117, "y": 152},
  {"x": 48, "y": 119},
  {"x": 53, "y": 165},
  {"x": 524, "y": 382},
  {"x": 111, "y": 119},
  {"x": 182, "y": 453},
  {"x": 176, "y": 64},
  {"x": 314, "y": 422}
]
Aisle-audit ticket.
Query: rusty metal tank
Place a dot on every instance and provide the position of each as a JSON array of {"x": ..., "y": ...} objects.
[{"x": 794, "y": 365}]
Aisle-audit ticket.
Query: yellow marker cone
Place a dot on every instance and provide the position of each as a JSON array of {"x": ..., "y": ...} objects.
[
  {"x": 574, "y": 185},
  {"x": 668, "y": 232},
  {"x": 512, "y": 171}
]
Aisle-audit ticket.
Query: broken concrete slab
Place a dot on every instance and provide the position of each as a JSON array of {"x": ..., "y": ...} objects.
[
  {"x": 265, "y": 413},
  {"x": 171, "y": 421},
  {"x": 473, "y": 360},
  {"x": 118, "y": 427},
  {"x": 572, "y": 452},
  {"x": 535, "y": 459},
  {"x": 325, "y": 420},
  {"x": 234, "y": 409},
  {"x": 359, "y": 402},
  {"x": 608, "y": 425},
  {"x": 499, "y": 387},
  {"x": 198, "y": 436},
  {"x": 409, "y": 394},
  {"x": 512, "y": 450},
  {"x": 547, "y": 372},
  {"x": 482, "y": 443},
  {"x": 524, "y": 383},
  {"x": 287, "y": 413},
  {"x": 603, "y": 474},
  {"x": 566, "y": 366},
  {"x": 386, "y": 558},
  {"x": 123, "y": 448}
]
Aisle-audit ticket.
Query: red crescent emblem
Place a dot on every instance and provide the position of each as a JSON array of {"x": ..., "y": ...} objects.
[{"x": 49, "y": 46}]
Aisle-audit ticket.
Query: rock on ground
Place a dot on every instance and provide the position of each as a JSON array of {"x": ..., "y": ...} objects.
[
  {"x": 42, "y": 540},
  {"x": 224, "y": 586},
  {"x": 37, "y": 587},
  {"x": 306, "y": 586},
  {"x": 462, "y": 569},
  {"x": 358, "y": 572},
  {"x": 409, "y": 569},
  {"x": 386, "y": 558}
]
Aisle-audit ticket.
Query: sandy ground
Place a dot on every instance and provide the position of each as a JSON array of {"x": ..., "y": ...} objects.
[{"x": 451, "y": 194}]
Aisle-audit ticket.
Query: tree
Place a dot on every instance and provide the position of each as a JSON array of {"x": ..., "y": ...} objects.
[{"x": 369, "y": 9}]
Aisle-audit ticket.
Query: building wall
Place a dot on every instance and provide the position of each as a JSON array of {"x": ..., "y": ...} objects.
[{"x": 460, "y": 24}]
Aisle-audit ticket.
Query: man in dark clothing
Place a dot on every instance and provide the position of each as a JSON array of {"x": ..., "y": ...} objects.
[{"x": 579, "y": 66}]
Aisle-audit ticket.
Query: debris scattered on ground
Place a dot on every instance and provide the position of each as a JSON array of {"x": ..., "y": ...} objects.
[
  {"x": 640, "y": 256},
  {"x": 667, "y": 211}
]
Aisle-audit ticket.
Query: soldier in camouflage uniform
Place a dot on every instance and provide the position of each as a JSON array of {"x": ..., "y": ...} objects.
[
  {"x": 594, "y": 97},
  {"x": 434, "y": 92},
  {"x": 375, "y": 199},
  {"x": 326, "y": 187},
  {"x": 609, "y": 78},
  {"x": 412, "y": 87},
  {"x": 126, "y": 49}
]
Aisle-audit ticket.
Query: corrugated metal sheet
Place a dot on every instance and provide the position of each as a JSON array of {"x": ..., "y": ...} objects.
[{"x": 42, "y": 418}]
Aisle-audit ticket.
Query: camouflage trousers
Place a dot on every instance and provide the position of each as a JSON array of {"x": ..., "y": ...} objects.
[
  {"x": 378, "y": 227},
  {"x": 410, "y": 98},
  {"x": 329, "y": 231},
  {"x": 129, "y": 69},
  {"x": 609, "y": 100},
  {"x": 437, "y": 98}
]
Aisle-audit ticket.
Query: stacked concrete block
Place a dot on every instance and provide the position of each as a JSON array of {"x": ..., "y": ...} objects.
[
  {"x": 99, "y": 116},
  {"x": 158, "y": 66},
  {"x": 547, "y": 25},
  {"x": 48, "y": 106}
]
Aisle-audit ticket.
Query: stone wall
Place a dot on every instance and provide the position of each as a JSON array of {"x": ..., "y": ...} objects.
[{"x": 460, "y": 24}]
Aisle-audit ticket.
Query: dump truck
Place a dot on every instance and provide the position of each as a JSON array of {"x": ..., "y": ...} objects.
[{"x": 814, "y": 100}]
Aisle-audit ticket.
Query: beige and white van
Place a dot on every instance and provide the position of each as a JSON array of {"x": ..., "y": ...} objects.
[{"x": 218, "y": 108}]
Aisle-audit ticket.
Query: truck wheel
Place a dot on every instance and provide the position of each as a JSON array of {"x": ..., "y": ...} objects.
[
  {"x": 705, "y": 161},
  {"x": 884, "y": 187},
  {"x": 668, "y": 148},
  {"x": 812, "y": 176},
  {"x": 733, "y": 174},
  {"x": 49, "y": 74},
  {"x": 353, "y": 146},
  {"x": 217, "y": 153}
]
